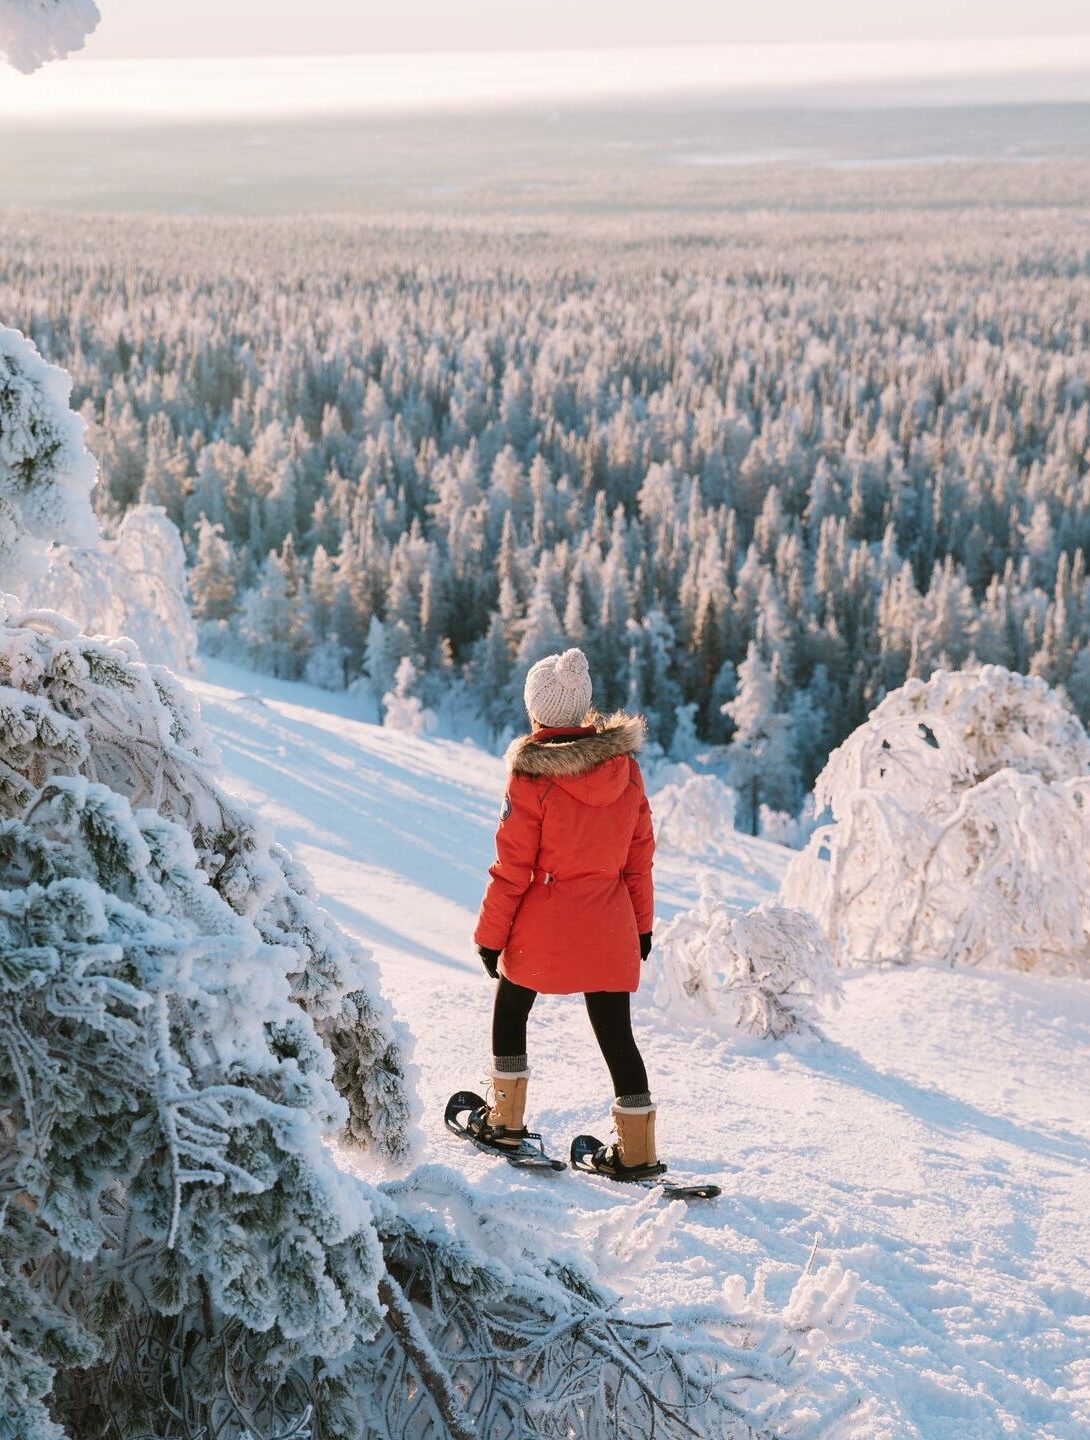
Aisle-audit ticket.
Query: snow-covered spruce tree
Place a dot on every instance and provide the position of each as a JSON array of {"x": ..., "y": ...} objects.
[
  {"x": 131, "y": 585},
  {"x": 176, "y": 1239},
  {"x": 765, "y": 971},
  {"x": 166, "y": 986},
  {"x": 961, "y": 829},
  {"x": 402, "y": 709},
  {"x": 760, "y": 761},
  {"x": 142, "y": 737},
  {"x": 213, "y": 584},
  {"x": 46, "y": 474}
]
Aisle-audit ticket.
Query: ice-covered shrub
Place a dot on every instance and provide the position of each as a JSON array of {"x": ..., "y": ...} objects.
[
  {"x": 961, "y": 829},
  {"x": 34, "y": 31},
  {"x": 324, "y": 667},
  {"x": 694, "y": 817},
  {"x": 764, "y": 971},
  {"x": 132, "y": 585}
]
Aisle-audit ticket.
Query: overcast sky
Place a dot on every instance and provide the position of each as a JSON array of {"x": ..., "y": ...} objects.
[{"x": 323, "y": 27}]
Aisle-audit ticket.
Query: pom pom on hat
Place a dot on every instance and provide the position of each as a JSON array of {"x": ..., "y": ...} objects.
[{"x": 558, "y": 689}]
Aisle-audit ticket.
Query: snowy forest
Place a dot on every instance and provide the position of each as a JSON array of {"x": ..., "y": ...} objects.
[{"x": 763, "y": 472}]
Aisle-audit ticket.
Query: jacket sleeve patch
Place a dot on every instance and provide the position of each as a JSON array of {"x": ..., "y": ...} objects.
[{"x": 505, "y": 808}]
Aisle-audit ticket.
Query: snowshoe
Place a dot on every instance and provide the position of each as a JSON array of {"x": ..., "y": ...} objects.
[
  {"x": 466, "y": 1115},
  {"x": 586, "y": 1150}
]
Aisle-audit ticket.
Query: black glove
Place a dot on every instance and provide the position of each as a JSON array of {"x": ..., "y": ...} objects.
[
  {"x": 490, "y": 959},
  {"x": 645, "y": 945}
]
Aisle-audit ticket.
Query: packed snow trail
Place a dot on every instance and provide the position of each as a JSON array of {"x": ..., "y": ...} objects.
[{"x": 937, "y": 1142}]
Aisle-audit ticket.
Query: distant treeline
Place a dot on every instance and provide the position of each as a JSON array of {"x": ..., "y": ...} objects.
[{"x": 850, "y": 448}]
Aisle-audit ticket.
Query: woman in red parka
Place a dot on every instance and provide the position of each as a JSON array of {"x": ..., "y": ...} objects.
[{"x": 569, "y": 904}]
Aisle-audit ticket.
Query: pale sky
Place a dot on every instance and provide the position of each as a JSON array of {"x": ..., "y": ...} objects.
[{"x": 132, "y": 28}]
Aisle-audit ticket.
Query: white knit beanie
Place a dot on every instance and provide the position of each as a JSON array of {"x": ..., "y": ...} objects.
[{"x": 558, "y": 689}]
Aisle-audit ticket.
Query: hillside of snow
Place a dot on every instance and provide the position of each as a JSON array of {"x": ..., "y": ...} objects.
[{"x": 936, "y": 1141}]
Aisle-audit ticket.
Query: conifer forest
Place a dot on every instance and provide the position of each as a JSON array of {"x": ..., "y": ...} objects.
[{"x": 771, "y": 463}]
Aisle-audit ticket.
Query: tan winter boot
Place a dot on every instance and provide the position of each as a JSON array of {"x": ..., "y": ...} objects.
[
  {"x": 632, "y": 1156},
  {"x": 502, "y": 1122},
  {"x": 635, "y": 1135}
]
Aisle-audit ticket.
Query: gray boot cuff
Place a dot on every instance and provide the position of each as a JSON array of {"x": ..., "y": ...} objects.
[
  {"x": 636, "y": 1101},
  {"x": 509, "y": 1064}
]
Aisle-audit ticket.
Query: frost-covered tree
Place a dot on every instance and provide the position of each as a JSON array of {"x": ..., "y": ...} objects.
[
  {"x": 402, "y": 708},
  {"x": 181, "y": 1025},
  {"x": 275, "y": 619},
  {"x": 960, "y": 829},
  {"x": 760, "y": 755},
  {"x": 35, "y": 31},
  {"x": 46, "y": 471},
  {"x": 213, "y": 584},
  {"x": 50, "y": 544},
  {"x": 695, "y": 816},
  {"x": 133, "y": 585},
  {"x": 685, "y": 743},
  {"x": 766, "y": 971},
  {"x": 379, "y": 663}
]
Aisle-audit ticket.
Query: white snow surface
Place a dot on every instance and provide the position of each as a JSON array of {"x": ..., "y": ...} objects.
[{"x": 936, "y": 1141}]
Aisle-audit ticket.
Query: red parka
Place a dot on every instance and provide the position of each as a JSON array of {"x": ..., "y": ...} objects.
[{"x": 570, "y": 892}]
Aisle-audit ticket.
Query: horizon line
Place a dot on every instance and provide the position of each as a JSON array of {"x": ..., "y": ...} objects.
[{"x": 417, "y": 82}]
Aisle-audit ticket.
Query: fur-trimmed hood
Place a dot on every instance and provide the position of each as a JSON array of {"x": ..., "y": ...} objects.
[{"x": 555, "y": 758}]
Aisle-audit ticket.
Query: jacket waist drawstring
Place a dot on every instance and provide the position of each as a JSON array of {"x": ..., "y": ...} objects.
[{"x": 548, "y": 878}]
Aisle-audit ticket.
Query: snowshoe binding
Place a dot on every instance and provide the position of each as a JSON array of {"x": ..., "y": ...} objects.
[
  {"x": 590, "y": 1155},
  {"x": 606, "y": 1160},
  {"x": 467, "y": 1115}
]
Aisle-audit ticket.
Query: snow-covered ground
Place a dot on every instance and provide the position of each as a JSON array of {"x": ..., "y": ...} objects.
[{"x": 937, "y": 1142}]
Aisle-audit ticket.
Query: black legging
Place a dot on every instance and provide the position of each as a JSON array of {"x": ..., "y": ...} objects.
[{"x": 610, "y": 1014}]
